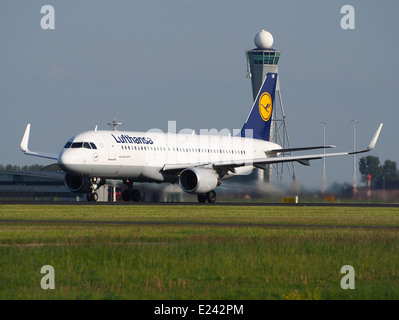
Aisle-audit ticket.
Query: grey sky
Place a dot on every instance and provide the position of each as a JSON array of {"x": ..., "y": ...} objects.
[{"x": 148, "y": 62}]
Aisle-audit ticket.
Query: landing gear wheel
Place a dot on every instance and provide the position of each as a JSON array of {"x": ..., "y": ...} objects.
[
  {"x": 92, "y": 196},
  {"x": 131, "y": 195},
  {"x": 201, "y": 198},
  {"x": 126, "y": 195},
  {"x": 95, "y": 183},
  {"x": 95, "y": 196},
  {"x": 136, "y": 195},
  {"x": 211, "y": 196}
]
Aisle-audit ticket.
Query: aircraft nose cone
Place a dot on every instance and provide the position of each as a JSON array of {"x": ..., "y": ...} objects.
[{"x": 67, "y": 161}]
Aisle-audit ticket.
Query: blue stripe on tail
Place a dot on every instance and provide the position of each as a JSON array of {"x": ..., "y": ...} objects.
[{"x": 259, "y": 120}]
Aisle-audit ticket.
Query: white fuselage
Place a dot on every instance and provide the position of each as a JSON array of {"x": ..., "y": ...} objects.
[{"x": 143, "y": 156}]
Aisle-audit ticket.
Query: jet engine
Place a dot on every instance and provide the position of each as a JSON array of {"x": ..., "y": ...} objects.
[
  {"x": 77, "y": 184},
  {"x": 198, "y": 180}
]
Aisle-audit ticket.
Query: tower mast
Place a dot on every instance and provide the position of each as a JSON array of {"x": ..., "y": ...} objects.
[{"x": 260, "y": 61}]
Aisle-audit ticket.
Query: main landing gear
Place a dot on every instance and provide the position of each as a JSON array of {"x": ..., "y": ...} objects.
[
  {"x": 209, "y": 196},
  {"x": 130, "y": 194},
  {"x": 95, "y": 183}
]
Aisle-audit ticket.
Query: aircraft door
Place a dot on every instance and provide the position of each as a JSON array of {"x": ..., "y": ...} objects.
[{"x": 111, "y": 146}]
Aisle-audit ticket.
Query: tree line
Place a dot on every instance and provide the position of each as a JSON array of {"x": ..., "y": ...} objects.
[
  {"x": 383, "y": 176},
  {"x": 10, "y": 167}
]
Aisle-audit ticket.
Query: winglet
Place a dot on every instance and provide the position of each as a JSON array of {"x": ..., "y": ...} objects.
[
  {"x": 375, "y": 137},
  {"x": 25, "y": 149},
  {"x": 25, "y": 139},
  {"x": 373, "y": 141}
]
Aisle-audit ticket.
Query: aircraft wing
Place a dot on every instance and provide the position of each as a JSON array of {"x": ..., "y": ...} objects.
[
  {"x": 175, "y": 169},
  {"x": 263, "y": 162},
  {"x": 57, "y": 175},
  {"x": 25, "y": 148},
  {"x": 303, "y": 159}
]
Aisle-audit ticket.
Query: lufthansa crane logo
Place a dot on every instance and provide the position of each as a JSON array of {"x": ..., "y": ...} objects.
[{"x": 265, "y": 106}]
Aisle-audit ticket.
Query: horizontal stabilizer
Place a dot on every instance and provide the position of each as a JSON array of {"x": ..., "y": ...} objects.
[{"x": 304, "y": 162}]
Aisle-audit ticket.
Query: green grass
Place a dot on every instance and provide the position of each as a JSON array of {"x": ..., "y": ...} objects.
[{"x": 197, "y": 260}]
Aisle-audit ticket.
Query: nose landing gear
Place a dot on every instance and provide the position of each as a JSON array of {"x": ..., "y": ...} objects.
[
  {"x": 95, "y": 184},
  {"x": 92, "y": 196}
]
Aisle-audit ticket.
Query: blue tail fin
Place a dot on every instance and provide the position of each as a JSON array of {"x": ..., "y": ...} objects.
[{"x": 260, "y": 116}]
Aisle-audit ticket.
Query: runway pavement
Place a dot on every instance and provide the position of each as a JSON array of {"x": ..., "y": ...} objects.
[{"x": 246, "y": 204}]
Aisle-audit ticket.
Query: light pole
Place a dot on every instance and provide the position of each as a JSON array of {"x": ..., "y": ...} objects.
[
  {"x": 323, "y": 188},
  {"x": 354, "y": 158}
]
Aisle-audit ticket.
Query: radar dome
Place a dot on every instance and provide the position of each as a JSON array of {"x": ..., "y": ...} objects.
[{"x": 264, "y": 39}]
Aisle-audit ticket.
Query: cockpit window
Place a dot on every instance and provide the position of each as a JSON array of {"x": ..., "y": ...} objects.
[
  {"x": 76, "y": 145},
  {"x": 68, "y": 145}
]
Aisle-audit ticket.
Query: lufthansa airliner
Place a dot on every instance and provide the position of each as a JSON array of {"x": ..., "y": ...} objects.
[{"x": 198, "y": 163}]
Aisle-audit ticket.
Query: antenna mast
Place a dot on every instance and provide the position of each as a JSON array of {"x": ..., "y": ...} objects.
[{"x": 114, "y": 124}]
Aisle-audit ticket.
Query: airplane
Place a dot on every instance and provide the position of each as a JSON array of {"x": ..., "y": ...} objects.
[{"x": 198, "y": 163}]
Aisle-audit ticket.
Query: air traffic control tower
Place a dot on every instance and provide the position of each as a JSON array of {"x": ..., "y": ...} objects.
[{"x": 260, "y": 61}]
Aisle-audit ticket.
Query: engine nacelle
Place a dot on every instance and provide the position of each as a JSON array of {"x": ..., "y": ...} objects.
[
  {"x": 198, "y": 180},
  {"x": 77, "y": 184}
]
